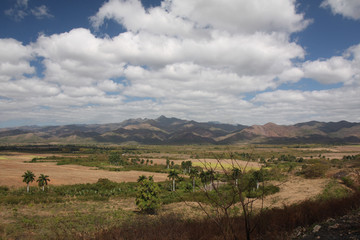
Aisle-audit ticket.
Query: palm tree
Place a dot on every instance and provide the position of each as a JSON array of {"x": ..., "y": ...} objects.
[
  {"x": 172, "y": 176},
  {"x": 236, "y": 174},
  {"x": 167, "y": 163},
  {"x": 28, "y": 177},
  {"x": 193, "y": 174},
  {"x": 141, "y": 178},
  {"x": 211, "y": 174},
  {"x": 204, "y": 178},
  {"x": 43, "y": 180}
]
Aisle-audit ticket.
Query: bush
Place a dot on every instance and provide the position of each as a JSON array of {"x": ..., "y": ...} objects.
[
  {"x": 147, "y": 196},
  {"x": 333, "y": 190},
  {"x": 316, "y": 170},
  {"x": 4, "y": 190},
  {"x": 348, "y": 181}
]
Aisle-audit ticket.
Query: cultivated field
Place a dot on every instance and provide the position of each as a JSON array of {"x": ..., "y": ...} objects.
[{"x": 13, "y": 165}]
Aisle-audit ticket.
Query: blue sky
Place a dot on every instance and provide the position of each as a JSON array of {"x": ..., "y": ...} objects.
[{"x": 233, "y": 61}]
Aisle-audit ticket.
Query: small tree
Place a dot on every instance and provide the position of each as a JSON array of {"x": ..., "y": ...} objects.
[
  {"x": 236, "y": 175},
  {"x": 141, "y": 178},
  {"x": 167, "y": 163},
  {"x": 147, "y": 195},
  {"x": 193, "y": 174},
  {"x": 28, "y": 177},
  {"x": 234, "y": 197},
  {"x": 116, "y": 159},
  {"x": 43, "y": 180},
  {"x": 173, "y": 175}
]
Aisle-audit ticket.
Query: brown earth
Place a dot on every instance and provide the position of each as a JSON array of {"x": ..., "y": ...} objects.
[
  {"x": 293, "y": 190},
  {"x": 12, "y": 167}
]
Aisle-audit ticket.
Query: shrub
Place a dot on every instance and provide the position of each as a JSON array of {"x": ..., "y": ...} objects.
[
  {"x": 316, "y": 170},
  {"x": 147, "y": 196},
  {"x": 4, "y": 190},
  {"x": 348, "y": 181}
]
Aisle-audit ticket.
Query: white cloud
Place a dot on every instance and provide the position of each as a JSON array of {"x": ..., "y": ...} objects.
[
  {"x": 77, "y": 58},
  {"x": 26, "y": 88},
  {"x": 41, "y": 12},
  {"x": 176, "y": 60},
  {"x": 14, "y": 59},
  {"x": 20, "y": 10},
  {"x": 297, "y": 106},
  {"x": 347, "y": 8},
  {"x": 338, "y": 69},
  {"x": 181, "y": 17},
  {"x": 241, "y": 16}
]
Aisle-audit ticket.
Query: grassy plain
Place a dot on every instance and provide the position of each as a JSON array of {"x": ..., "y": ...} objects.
[{"x": 76, "y": 204}]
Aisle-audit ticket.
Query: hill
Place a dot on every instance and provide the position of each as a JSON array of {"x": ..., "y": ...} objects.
[{"x": 165, "y": 130}]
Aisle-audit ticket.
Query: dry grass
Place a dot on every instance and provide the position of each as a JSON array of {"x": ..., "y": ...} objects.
[
  {"x": 276, "y": 223},
  {"x": 12, "y": 167}
]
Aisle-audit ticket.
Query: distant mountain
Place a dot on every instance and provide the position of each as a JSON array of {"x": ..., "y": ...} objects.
[{"x": 165, "y": 130}]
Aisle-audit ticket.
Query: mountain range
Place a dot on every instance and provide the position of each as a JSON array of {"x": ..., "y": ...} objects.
[{"x": 165, "y": 130}]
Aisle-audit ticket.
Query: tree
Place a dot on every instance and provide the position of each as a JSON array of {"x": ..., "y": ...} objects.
[
  {"x": 43, "y": 180},
  {"x": 147, "y": 195},
  {"x": 193, "y": 174},
  {"x": 116, "y": 159},
  {"x": 204, "y": 178},
  {"x": 236, "y": 174},
  {"x": 227, "y": 199},
  {"x": 28, "y": 177},
  {"x": 173, "y": 175},
  {"x": 186, "y": 166},
  {"x": 167, "y": 163},
  {"x": 142, "y": 177}
]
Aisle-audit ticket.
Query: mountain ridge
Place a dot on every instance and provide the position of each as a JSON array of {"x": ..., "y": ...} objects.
[{"x": 165, "y": 130}]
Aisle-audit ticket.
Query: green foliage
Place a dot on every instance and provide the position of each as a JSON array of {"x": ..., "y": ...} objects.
[
  {"x": 349, "y": 182},
  {"x": 287, "y": 158},
  {"x": 28, "y": 177},
  {"x": 4, "y": 190},
  {"x": 43, "y": 180},
  {"x": 333, "y": 190},
  {"x": 316, "y": 170},
  {"x": 352, "y": 157},
  {"x": 262, "y": 191},
  {"x": 147, "y": 196},
  {"x": 100, "y": 191}
]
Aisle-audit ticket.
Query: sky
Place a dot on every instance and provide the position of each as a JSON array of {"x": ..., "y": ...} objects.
[{"x": 231, "y": 61}]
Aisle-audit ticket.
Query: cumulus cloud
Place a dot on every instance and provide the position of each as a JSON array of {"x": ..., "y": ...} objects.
[
  {"x": 338, "y": 69},
  {"x": 347, "y": 8},
  {"x": 182, "y": 16},
  {"x": 178, "y": 60},
  {"x": 297, "y": 106},
  {"x": 14, "y": 59},
  {"x": 77, "y": 58}
]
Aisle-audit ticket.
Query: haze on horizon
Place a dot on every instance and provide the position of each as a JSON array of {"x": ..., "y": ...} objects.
[{"x": 232, "y": 61}]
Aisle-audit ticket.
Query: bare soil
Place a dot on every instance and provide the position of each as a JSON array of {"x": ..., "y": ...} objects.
[
  {"x": 12, "y": 167},
  {"x": 293, "y": 190}
]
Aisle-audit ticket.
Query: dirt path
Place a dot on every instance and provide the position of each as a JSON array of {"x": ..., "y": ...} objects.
[{"x": 12, "y": 167}]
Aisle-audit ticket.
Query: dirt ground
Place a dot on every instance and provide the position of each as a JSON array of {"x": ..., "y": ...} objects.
[
  {"x": 294, "y": 190},
  {"x": 12, "y": 167}
]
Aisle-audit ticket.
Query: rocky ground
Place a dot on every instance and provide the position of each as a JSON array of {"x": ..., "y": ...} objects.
[{"x": 342, "y": 228}]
